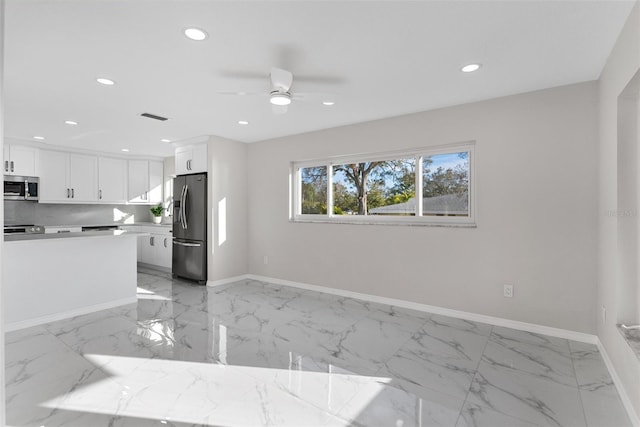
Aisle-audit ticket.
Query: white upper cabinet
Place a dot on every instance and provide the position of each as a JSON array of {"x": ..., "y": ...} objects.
[
  {"x": 112, "y": 180},
  {"x": 68, "y": 177},
  {"x": 145, "y": 181},
  {"x": 138, "y": 181},
  {"x": 20, "y": 160},
  {"x": 53, "y": 177},
  {"x": 83, "y": 177},
  {"x": 156, "y": 172},
  {"x": 191, "y": 159}
]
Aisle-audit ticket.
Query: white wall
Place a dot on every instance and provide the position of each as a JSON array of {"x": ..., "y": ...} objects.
[
  {"x": 227, "y": 186},
  {"x": 2, "y": 415},
  {"x": 621, "y": 66},
  {"x": 169, "y": 172},
  {"x": 536, "y": 212}
]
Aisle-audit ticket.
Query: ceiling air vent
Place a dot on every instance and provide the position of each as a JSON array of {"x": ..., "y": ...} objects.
[{"x": 153, "y": 116}]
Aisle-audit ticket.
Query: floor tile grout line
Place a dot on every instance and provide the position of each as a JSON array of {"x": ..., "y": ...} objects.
[
  {"x": 474, "y": 375},
  {"x": 575, "y": 376}
]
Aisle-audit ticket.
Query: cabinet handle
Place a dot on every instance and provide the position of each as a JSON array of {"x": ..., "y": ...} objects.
[
  {"x": 189, "y": 164},
  {"x": 100, "y": 196},
  {"x": 151, "y": 241},
  {"x": 6, "y": 165},
  {"x": 165, "y": 242},
  {"x": 68, "y": 193},
  {"x": 11, "y": 165},
  {"x": 73, "y": 193}
]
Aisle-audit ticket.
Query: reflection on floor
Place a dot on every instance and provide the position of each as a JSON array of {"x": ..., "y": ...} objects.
[{"x": 252, "y": 354}]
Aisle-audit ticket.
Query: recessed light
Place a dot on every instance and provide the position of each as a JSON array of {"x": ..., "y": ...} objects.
[
  {"x": 106, "y": 82},
  {"x": 126, "y": 150},
  {"x": 195, "y": 34},
  {"x": 165, "y": 140},
  {"x": 470, "y": 68},
  {"x": 328, "y": 103},
  {"x": 243, "y": 122},
  {"x": 70, "y": 122},
  {"x": 40, "y": 138}
]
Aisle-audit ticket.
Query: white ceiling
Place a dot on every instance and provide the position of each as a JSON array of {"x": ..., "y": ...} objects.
[{"x": 377, "y": 59}]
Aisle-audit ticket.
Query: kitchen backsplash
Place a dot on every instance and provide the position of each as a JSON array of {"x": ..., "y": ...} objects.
[{"x": 19, "y": 212}]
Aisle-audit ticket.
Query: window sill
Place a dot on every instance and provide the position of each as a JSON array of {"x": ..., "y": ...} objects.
[
  {"x": 632, "y": 337},
  {"x": 390, "y": 222}
]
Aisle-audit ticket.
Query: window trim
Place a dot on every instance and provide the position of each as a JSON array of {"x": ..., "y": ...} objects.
[{"x": 419, "y": 153}]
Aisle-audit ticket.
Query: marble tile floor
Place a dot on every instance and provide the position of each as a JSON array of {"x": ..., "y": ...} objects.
[{"x": 254, "y": 354}]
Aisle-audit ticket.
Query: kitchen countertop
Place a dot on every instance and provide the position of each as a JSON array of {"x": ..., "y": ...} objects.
[
  {"x": 136, "y": 224},
  {"x": 78, "y": 235}
]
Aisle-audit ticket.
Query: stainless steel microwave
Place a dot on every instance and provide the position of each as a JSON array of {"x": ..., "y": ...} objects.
[{"x": 21, "y": 187}]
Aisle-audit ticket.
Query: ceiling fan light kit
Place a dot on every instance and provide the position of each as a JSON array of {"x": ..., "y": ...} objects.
[{"x": 280, "y": 98}]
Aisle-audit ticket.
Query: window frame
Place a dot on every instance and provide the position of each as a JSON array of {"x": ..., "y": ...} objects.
[{"x": 295, "y": 184}]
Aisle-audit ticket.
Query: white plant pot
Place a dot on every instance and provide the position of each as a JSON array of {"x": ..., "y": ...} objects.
[{"x": 156, "y": 219}]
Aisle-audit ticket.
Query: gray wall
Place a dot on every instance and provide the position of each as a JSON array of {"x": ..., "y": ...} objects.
[
  {"x": 16, "y": 212},
  {"x": 536, "y": 212},
  {"x": 621, "y": 66}
]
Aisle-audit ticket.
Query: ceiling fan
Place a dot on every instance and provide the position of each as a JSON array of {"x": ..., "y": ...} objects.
[{"x": 280, "y": 94}]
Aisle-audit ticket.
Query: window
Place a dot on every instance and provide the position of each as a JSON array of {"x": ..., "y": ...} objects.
[
  {"x": 424, "y": 186},
  {"x": 314, "y": 190}
]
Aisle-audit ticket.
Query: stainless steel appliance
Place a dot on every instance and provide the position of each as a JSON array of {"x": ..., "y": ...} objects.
[
  {"x": 190, "y": 227},
  {"x": 23, "y": 229},
  {"x": 21, "y": 187}
]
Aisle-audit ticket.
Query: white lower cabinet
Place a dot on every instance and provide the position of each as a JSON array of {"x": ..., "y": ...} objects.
[{"x": 156, "y": 248}]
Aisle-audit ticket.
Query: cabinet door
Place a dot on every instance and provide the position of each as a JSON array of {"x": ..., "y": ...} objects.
[
  {"x": 149, "y": 249},
  {"x": 6, "y": 158},
  {"x": 112, "y": 180},
  {"x": 138, "y": 181},
  {"x": 167, "y": 246},
  {"x": 83, "y": 178},
  {"x": 155, "y": 182},
  {"x": 53, "y": 177},
  {"x": 183, "y": 157},
  {"x": 198, "y": 159},
  {"x": 22, "y": 160}
]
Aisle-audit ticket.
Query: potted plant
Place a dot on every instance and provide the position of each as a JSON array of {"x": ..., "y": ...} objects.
[{"x": 156, "y": 211}]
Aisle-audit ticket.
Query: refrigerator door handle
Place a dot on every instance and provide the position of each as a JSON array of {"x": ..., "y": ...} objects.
[
  {"x": 190, "y": 245},
  {"x": 184, "y": 206},
  {"x": 180, "y": 211}
]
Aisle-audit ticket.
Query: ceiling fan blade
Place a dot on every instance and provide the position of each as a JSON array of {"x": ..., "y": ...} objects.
[
  {"x": 320, "y": 79},
  {"x": 279, "y": 109},
  {"x": 281, "y": 79},
  {"x": 241, "y": 93},
  {"x": 242, "y": 74},
  {"x": 314, "y": 97}
]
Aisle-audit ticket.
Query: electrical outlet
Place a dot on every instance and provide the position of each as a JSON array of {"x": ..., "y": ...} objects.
[
  {"x": 265, "y": 260},
  {"x": 508, "y": 291},
  {"x": 604, "y": 314}
]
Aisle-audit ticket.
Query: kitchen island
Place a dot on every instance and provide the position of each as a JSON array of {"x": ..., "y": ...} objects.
[{"x": 48, "y": 277}]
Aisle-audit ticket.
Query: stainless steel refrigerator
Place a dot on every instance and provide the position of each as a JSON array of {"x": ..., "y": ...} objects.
[{"x": 190, "y": 227}]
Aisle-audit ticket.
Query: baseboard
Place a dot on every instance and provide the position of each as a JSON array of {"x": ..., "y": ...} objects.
[
  {"x": 14, "y": 326},
  {"x": 626, "y": 401},
  {"x": 496, "y": 321},
  {"x": 155, "y": 267},
  {"x": 213, "y": 283}
]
